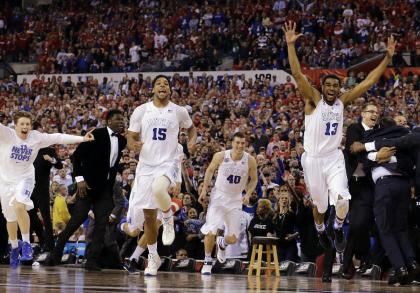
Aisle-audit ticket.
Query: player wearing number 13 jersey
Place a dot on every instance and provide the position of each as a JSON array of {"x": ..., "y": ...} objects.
[
  {"x": 237, "y": 171},
  {"x": 153, "y": 131},
  {"x": 323, "y": 161}
]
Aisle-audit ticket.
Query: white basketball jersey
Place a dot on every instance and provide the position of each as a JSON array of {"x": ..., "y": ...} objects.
[
  {"x": 17, "y": 156},
  {"x": 159, "y": 128},
  {"x": 324, "y": 128},
  {"x": 232, "y": 176}
]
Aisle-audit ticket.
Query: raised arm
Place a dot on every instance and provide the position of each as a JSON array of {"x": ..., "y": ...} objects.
[
  {"x": 6, "y": 133},
  {"x": 253, "y": 179},
  {"x": 305, "y": 88},
  {"x": 373, "y": 76},
  {"x": 60, "y": 138},
  {"x": 215, "y": 163}
]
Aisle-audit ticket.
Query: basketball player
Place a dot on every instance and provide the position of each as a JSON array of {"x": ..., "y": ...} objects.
[
  {"x": 234, "y": 166},
  {"x": 153, "y": 131},
  {"x": 323, "y": 161},
  {"x": 133, "y": 225},
  {"x": 18, "y": 150}
]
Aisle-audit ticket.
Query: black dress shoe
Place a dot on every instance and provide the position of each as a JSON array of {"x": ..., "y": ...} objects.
[
  {"x": 363, "y": 268},
  {"x": 347, "y": 276},
  {"x": 414, "y": 271},
  {"x": 401, "y": 277},
  {"x": 51, "y": 261},
  {"x": 326, "y": 278},
  {"x": 324, "y": 240},
  {"x": 92, "y": 267}
]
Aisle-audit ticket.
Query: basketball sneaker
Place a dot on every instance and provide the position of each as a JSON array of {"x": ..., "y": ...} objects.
[
  {"x": 221, "y": 252},
  {"x": 27, "y": 252},
  {"x": 14, "y": 258},
  {"x": 168, "y": 235},
  {"x": 153, "y": 264},
  {"x": 206, "y": 269},
  {"x": 131, "y": 266}
]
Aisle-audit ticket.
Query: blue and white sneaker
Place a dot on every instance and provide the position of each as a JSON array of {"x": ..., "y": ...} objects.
[
  {"x": 221, "y": 252},
  {"x": 14, "y": 258},
  {"x": 27, "y": 252},
  {"x": 206, "y": 269}
]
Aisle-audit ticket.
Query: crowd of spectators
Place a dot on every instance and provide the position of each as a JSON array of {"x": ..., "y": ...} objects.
[
  {"x": 268, "y": 112},
  {"x": 129, "y": 36},
  {"x": 147, "y": 35}
]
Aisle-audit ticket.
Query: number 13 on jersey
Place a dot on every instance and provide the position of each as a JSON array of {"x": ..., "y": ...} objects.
[{"x": 331, "y": 128}]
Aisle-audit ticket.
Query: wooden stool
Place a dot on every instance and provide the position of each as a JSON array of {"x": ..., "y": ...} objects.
[{"x": 270, "y": 250}]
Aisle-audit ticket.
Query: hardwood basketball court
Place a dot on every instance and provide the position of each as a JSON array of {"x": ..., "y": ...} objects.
[{"x": 61, "y": 279}]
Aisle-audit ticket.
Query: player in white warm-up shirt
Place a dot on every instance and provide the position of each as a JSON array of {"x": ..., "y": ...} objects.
[
  {"x": 323, "y": 161},
  {"x": 153, "y": 131},
  {"x": 234, "y": 169},
  {"x": 18, "y": 150}
]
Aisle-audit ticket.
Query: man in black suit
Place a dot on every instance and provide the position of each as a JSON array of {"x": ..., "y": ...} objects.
[
  {"x": 45, "y": 160},
  {"x": 406, "y": 142},
  {"x": 95, "y": 168},
  {"x": 392, "y": 191},
  {"x": 361, "y": 190}
]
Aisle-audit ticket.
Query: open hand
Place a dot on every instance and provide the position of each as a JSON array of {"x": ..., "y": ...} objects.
[
  {"x": 82, "y": 188},
  {"x": 289, "y": 30}
]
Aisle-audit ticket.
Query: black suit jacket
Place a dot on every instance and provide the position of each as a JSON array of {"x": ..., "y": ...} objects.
[
  {"x": 355, "y": 132},
  {"x": 408, "y": 143},
  {"x": 43, "y": 168},
  {"x": 404, "y": 160},
  {"x": 91, "y": 160}
]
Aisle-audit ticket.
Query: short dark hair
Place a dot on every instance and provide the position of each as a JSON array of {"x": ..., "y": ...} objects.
[
  {"x": 22, "y": 114},
  {"x": 112, "y": 113},
  {"x": 36, "y": 125},
  {"x": 161, "y": 76},
  {"x": 387, "y": 122},
  {"x": 331, "y": 76},
  {"x": 371, "y": 103},
  {"x": 238, "y": 134}
]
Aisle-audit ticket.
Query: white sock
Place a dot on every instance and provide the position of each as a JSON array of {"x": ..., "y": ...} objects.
[
  {"x": 25, "y": 238},
  {"x": 320, "y": 227},
  {"x": 222, "y": 243},
  {"x": 122, "y": 227},
  {"x": 14, "y": 243},
  {"x": 152, "y": 248},
  {"x": 167, "y": 214},
  {"x": 338, "y": 223},
  {"x": 208, "y": 257},
  {"x": 137, "y": 252}
]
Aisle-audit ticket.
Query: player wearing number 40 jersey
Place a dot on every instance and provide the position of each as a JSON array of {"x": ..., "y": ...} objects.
[
  {"x": 235, "y": 168},
  {"x": 153, "y": 132},
  {"x": 323, "y": 161}
]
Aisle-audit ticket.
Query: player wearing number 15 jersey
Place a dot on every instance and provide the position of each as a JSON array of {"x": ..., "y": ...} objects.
[
  {"x": 235, "y": 168},
  {"x": 153, "y": 132},
  {"x": 323, "y": 161}
]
